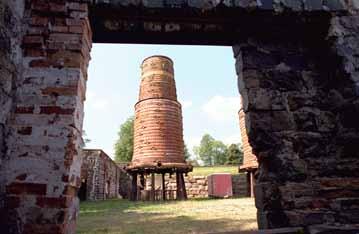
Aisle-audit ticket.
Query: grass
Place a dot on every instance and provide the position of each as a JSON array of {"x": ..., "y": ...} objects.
[
  {"x": 174, "y": 217},
  {"x": 205, "y": 171}
]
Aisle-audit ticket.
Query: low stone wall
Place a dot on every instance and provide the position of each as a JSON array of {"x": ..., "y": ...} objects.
[{"x": 197, "y": 186}]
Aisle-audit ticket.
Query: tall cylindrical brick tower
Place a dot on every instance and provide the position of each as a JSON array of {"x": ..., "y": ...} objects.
[
  {"x": 158, "y": 130},
  {"x": 250, "y": 163}
]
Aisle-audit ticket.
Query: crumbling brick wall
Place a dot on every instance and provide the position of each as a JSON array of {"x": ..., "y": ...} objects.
[
  {"x": 46, "y": 46},
  {"x": 101, "y": 174}
]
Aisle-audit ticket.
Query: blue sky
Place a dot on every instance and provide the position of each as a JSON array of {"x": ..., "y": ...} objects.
[{"x": 206, "y": 87}]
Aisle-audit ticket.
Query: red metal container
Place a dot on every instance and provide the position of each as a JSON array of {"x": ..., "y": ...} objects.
[{"x": 220, "y": 185}]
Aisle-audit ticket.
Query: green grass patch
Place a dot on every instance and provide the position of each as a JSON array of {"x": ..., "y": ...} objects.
[
  {"x": 175, "y": 217},
  {"x": 205, "y": 171}
]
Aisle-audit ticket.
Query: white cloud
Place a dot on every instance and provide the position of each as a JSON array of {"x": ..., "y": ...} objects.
[
  {"x": 186, "y": 104},
  {"x": 96, "y": 102},
  {"x": 221, "y": 108},
  {"x": 233, "y": 139}
]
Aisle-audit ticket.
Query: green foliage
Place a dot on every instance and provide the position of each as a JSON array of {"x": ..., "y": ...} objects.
[
  {"x": 193, "y": 162},
  {"x": 187, "y": 155},
  {"x": 124, "y": 144},
  {"x": 85, "y": 138},
  {"x": 234, "y": 154},
  {"x": 211, "y": 151}
]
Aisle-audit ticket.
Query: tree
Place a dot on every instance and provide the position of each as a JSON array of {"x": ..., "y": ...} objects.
[
  {"x": 219, "y": 153},
  {"x": 211, "y": 151},
  {"x": 124, "y": 144},
  {"x": 85, "y": 138},
  {"x": 187, "y": 155},
  {"x": 235, "y": 154}
]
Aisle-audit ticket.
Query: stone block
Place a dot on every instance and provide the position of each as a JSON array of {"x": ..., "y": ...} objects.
[{"x": 327, "y": 229}]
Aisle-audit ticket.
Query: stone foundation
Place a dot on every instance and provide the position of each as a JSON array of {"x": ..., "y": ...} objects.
[{"x": 197, "y": 186}]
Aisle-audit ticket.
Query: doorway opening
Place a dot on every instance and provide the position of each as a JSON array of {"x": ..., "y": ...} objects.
[{"x": 206, "y": 84}]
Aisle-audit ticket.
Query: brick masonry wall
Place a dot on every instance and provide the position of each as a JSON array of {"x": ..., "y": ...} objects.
[
  {"x": 249, "y": 159},
  {"x": 98, "y": 169},
  {"x": 50, "y": 43},
  {"x": 197, "y": 186}
]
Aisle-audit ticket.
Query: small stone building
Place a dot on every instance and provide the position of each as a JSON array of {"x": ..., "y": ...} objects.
[{"x": 100, "y": 176}]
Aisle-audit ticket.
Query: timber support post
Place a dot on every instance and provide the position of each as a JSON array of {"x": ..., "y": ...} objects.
[
  {"x": 163, "y": 187},
  {"x": 133, "y": 196}
]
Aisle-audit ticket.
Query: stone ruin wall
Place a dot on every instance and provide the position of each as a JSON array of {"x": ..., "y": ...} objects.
[
  {"x": 301, "y": 102},
  {"x": 98, "y": 169},
  {"x": 197, "y": 186}
]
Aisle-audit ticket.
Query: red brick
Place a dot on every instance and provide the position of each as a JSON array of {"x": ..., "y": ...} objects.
[
  {"x": 63, "y": 91},
  {"x": 52, "y": 202},
  {"x": 24, "y": 130},
  {"x": 40, "y": 5},
  {"x": 33, "y": 40},
  {"x": 58, "y": 7},
  {"x": 26, "y": 188},
  {"x": 12, "y": 202},
  {"x": 40, "y": 63},
  {"x": 56, "y": 110},
  {"x": 39, "y": 21},
  {"x": 31, "y": 52},
  {"x": 61, "y": 29},
  {"x": 24, "y": 110},
  {"x": 76, "y": 29}
]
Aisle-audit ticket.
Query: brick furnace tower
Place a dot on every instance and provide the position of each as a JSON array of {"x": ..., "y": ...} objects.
[
  {"x": 158, "y": 130},
  {"x": 250, "y": 163}
]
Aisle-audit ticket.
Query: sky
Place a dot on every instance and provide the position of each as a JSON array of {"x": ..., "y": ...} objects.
[{"x": 206, "y": 87}]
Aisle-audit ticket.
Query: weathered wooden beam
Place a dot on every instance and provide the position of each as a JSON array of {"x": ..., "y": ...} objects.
[
  {"x": 183, "y": 185},
  {"x": 163, "y": 187},
  {"x": 133, "y": 195},
  {"x": 153, "y": 187}
]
